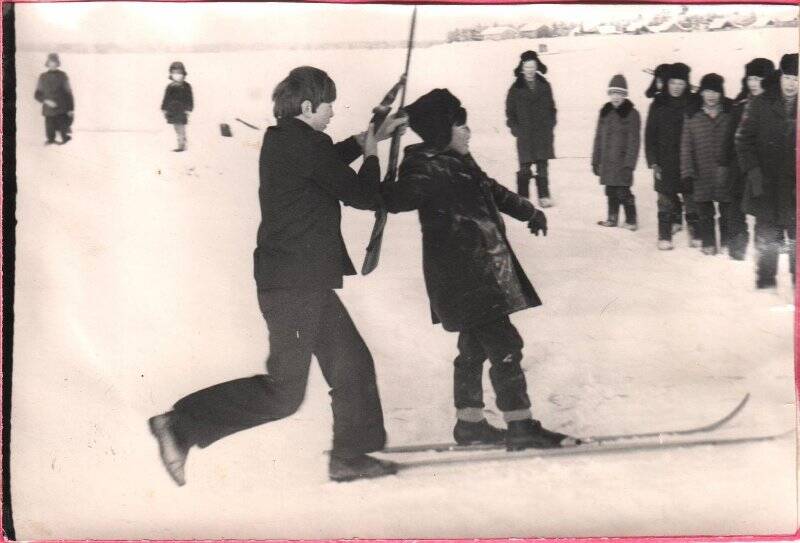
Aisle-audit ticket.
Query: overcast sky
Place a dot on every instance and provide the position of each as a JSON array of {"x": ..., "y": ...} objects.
[{"x": 133, "y": 23}]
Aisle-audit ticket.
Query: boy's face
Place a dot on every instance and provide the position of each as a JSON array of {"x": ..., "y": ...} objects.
[
  {"x": 676, "y": 87},
  {"x": 789, "y": 85},
  {"x": 52, "y": 65},
  {"x": 460, "y": 139},
  {"x": 754, "y": 84},
  {"x": 710, "y": 97},
  {"x": 319, "y": 119},
  {"x": 177, "y": 76},
  {"x": 529, "y": 68},
  {"x": 616, "y": 98}
]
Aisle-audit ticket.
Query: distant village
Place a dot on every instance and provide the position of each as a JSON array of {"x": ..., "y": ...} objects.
[{"x": 659, "y": 24}]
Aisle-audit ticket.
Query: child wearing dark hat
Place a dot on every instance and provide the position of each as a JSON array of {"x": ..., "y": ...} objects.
[
  {"x": 616, "y": 150},
  {"x": 474, "y": 280},
  {"x": 663, "y": 132},
  {"x": 531, "y": 116},
  {"x": 757, "y": 73},
  {"x": 178, "y": 102},
  {"x": 704, "y": 163},
  {"x": 55, "y": 94},
  {"x": 766, "y": 146}
]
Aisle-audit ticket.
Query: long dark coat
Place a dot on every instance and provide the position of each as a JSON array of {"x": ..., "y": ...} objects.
[
  {"x": 616, "y": 144},
  {"x": 177, "y": 101},
  {"x": 735, "y": 174},
  {"x": 54, "y": 85},
  {"x": 531, "y": 116},
  {"x": 471, "y": 273},
  {"x": 703, "y": 156},
  {"x": 766, "y": 142},
  {"x": 304, "y": 176},
  {"x": 662, "y": 139}
]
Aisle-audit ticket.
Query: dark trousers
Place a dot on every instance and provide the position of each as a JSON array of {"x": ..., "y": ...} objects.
[
  {"x": 669, "y": 205},
  {"x": 769, "y": 239},
  {"x": 738, "y": 235},
  {"x": 500, "y": 342},
  {"x": 708, "y": 223},
  {"x": 542, "y": 179},
  {"x": 621, "y": 196},
  {"x": 301, "y": 323},
  {"x": 677, "y": 213},
  {"x": 57, "y": 123}
]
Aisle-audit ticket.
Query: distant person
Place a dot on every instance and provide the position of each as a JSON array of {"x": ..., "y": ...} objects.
[
  {"x": 766, "y": 145},
  {"x": 755, "y": 73},
  {"x": 704, "y": 163},
  {"x": 616, "y": 150},
  {"x": 178, "y": 102},
  {"x": 473, "y": 278},
  {"x": 54, "y": 93},
  {"x": 663, "y": 150},
  {"x": 656, "y": 88},
  {"x": 299, "y": 263},
  {"x": 531, "y": 116}
]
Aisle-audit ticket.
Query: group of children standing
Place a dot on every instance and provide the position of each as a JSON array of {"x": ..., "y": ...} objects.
[{"x": 713, "y": 158}]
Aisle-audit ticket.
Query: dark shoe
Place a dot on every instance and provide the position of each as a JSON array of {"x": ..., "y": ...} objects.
[
  {"x": 48, "y": 142},
  {"x": 664, "y": 227},
  {"x": 709, "y": 251},
  {"x": 766, "y": 282},
  {"x": 632, "y": 226},
  {"x": 473, "y": 433},
  {"x": 65, "y": 140},
  {"x": 359, "y": 467},
  {"x": 525, "y": 434},
  {"x": 610, "y": 222},
  {"x": 173, "y": 452},
  {"x": 179, "y": 150}
]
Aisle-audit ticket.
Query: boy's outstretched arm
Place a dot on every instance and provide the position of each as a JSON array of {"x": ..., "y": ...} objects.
[
  {"x": 359, "y": 190},
  {"x": 511, "y": 203}
]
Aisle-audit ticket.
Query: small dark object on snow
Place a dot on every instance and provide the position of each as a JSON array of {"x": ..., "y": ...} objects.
[
  {"x": 360, "y": 467},
  {"x": 472, "y": 433},
  {"x": 225, "y": 130}
]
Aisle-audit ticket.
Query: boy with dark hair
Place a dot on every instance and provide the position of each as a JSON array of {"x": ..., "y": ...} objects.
[
  {"x": 299, "y": 262},
  {"x": 704, "y": 163},
  {"x": 766, "y": 144},
  {"x": 54, "y": 93},
  {"x": 178, "y": 102},
  {"x": 473, "y": 278},
  {"x": 615, "y": 152}
]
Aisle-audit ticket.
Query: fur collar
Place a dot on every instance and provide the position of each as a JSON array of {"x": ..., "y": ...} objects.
[
  {"x": 539, "y": 78},
  {"x": 623, "y": 110}
]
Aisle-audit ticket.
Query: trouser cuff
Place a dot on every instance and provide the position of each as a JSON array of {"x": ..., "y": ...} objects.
[
  {"x": 517, "y": 414},
  {"x": 470, "y": 414}
]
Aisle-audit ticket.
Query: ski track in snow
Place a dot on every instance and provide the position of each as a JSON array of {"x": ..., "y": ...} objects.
[{"x": 134, "y": 287}]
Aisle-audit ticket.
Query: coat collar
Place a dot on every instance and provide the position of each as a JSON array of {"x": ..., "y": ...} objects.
[
  {"x": 623, "y": 110},
  {"x": 520, "y": 82}
]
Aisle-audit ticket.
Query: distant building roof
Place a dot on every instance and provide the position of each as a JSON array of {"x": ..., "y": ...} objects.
[
  {"x": 530, "y": 27},
  {"x": 494, "y": 30}
]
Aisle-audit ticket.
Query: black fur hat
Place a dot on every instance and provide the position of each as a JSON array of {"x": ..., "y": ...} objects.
[
  {"x": 53, "y": 57},
  {"x": 714, "y": 82},
  {"x": 679, "y": 70},
  {"x": 177, "y": 66},
  {"x": 525, "y": 57},
  {"x": 789, "y": 64},
  {"x": 433, "y": 115},
  {"x": 761, "y": 67},
  {"x": 659, "y": 73}
]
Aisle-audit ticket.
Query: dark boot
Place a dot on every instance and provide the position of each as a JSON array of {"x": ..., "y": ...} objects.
[
  {"x": 524, "y": 183},
  {"x": 613, "y": 213},
  {"x": 766, "y": 282},
  {"x": 471, "y": 433},
  {"x": 664, "y": 226},
  {"x": 708, "y": 235},
  {"x": 693, "y": 222},
  {"x": 359, "y": 467},
  {"x": 737, "y": 247},
  {"x": 526, "y": 434},
  {"x": 171, "y": 447},
  {"x": 631, "y": 220}
]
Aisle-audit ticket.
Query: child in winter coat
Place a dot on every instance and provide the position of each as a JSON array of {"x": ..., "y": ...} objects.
[
  {"x": 616, "y": 150},
  {"x": 178, "y": 102},
  {"x": 473, "y": 278},
  {"x": 55, "y": 95},
  {"x": 704, "y": 164}
]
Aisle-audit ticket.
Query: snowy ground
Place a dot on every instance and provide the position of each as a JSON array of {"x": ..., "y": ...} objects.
[{"x": 134, "y": 287}]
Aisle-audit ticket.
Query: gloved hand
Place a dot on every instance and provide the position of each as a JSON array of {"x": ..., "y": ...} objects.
[
  {"x": 596, "y": 169},
  {"x": 538, "y": 223}
]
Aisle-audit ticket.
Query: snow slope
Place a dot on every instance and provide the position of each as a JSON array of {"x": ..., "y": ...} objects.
[{"x": 134, "y": 287}]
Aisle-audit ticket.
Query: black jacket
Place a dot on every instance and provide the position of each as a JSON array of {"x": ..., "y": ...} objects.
[
  {"x": 178, "y": 99},
  {"x": 304, "y": 176},
  {"x": 662, "y": 138},
  {"x": 531, "y": 116},
  {"x": 54, "y": 85},
  {"x": 471, "y": 273}
]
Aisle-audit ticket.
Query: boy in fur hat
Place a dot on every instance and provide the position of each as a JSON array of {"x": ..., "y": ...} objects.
[
  {"x": 766, "y": 147},
  {"x": 616, "y": 150},
  {"x": 54, "y": 93},
  {"x": 756, "y": 72},
  {"x": 531, "y": 116},
  {"x": 473, "y": 278},
  {"x": 662, "y": 148},
  {"x": 178, "y": 102},
  {"x": 704, "y": 164}
]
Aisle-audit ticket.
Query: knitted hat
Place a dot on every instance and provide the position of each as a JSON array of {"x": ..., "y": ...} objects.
[
  {"x": 53, "y": 57},
  {"x": 177, "y": 67},
  {"x": 761, "y": 67},
  {"x": 525, "y": 57},
  {"x": 679, "y": 70},
  {"x": 789, "y": 64},
  {"x": 433, "y": 116},
  {"x": 618, "y": 84},
  {"x": 713, "y": 82}
]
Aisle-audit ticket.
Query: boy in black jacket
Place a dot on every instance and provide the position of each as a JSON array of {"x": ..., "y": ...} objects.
[
  {"x": 55, "y": 95},
  {"x": 178, "y": 102},
  {"x": 473, "y": 278},
  {"x": 299, "y": 262}
]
